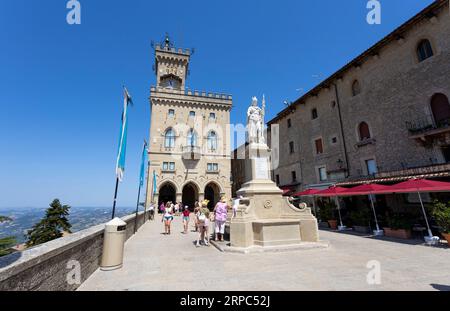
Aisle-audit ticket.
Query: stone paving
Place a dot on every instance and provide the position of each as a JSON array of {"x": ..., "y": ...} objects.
[{"x": 154, "y": 261}]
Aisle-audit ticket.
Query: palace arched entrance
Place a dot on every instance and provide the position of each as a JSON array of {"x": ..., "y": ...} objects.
[
  {"x": 190, "y": 195},
  {"x": 167, "y": 193},
  {"x": 212, "y": 193}
]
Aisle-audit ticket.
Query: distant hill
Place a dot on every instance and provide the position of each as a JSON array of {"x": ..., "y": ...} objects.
[{"x": 80, "y": 218}]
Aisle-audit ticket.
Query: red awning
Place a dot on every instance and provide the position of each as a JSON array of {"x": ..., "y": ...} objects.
[
  {"x": 420, "y": 185},
  {"x": 308, "y": 192},
  {"x": 333, "y": 191},
  {"x": 287, "y": 190},
  {"x": 368, "y": 189}
]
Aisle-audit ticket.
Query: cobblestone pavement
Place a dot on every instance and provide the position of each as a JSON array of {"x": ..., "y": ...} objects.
[{"x": 154, "y": 261}]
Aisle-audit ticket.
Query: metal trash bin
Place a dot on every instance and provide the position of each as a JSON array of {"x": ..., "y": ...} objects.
[{"x": 113, "y": 244}]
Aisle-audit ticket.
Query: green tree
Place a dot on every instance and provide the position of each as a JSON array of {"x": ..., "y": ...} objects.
[
  {"x": 52, "y": 226},
  {"x": 8, "y": 242},
  {"x": 441, "y": 213}
]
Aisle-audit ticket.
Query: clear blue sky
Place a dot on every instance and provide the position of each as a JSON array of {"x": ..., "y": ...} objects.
[{"x": 60, "y": 85}]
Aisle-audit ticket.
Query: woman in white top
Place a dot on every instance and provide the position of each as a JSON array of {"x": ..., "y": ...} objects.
[{"x": 167, "y": 217}]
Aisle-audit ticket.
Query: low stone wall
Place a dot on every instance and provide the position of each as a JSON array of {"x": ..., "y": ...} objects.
[{"x": 46, "y": 267}]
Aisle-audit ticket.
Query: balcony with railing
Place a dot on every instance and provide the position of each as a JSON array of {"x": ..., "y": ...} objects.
[
  {"x": 191, "y": 152},
  {"x": 422, "y": 127}
]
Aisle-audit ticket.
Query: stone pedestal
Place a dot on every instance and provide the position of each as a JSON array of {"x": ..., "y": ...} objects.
[{"x": 265, "y": 218}]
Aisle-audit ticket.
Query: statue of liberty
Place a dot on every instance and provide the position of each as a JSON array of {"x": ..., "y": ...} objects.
[{"x": 255, "y": 122}]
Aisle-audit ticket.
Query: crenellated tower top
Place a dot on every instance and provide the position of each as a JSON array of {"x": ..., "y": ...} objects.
[{"x": 171, "y": 65}]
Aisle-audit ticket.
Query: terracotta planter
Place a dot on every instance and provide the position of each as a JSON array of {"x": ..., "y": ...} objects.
[
  {"x": 447, "y": 237},
  {"x": 333, "y": 224},
  {"x": 397, "y": 233}
]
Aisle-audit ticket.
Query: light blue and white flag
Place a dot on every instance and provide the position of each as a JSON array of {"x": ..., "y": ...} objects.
[
  {"x": 144, "y": 159},
  {"x": 120, "y": 165}
]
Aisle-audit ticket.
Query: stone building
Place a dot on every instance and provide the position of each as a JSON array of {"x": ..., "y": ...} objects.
[
  {"x": 238, "y": 176},
  {"x": 189, "y": 148},
  {"x": 385, "y": 116}
]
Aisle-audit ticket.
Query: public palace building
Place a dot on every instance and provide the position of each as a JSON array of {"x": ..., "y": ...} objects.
[{"x": 189, "y": 141}]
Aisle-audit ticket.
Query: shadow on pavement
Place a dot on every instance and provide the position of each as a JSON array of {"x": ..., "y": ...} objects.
[{"x": 442, "y": 288}]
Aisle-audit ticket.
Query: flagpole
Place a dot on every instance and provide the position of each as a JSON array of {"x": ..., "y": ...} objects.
[
  {"x": 147, "y": 186},
  {"x": 141, "y": 179},
  {"x": 120, "y": 164},
  {"x": 137, "y": 209},
  {"x": 115, "y": 198}
]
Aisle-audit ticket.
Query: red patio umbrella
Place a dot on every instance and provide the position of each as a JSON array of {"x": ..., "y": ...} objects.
[
  {"x": 370, "y": 189},
  {"x": 286, "y": 191},
  {"x": 421, "y": 185},
  {"x": 335, "y": 192},
  {"x": 308, "y": 192}
]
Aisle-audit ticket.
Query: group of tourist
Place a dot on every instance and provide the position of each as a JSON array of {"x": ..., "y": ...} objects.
[{"x": 202, "y": 218}]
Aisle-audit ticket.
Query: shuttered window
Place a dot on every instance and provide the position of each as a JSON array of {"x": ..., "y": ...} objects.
[
  {"x": 364, "y": 131},
  {"x": 319, "y": 146}
]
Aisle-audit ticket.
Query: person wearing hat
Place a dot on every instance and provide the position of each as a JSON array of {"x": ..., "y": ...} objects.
[
  {"x": 220, "y": 218},
  {"x": 203, "y": 223}
]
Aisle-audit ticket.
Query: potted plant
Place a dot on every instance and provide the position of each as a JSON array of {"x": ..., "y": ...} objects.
[
  {"x": 360, "y": 220},
  {"x": 327, "y": 213},
  {"x": 399, "y": 227},
  {"x": 441, "y": 214}
]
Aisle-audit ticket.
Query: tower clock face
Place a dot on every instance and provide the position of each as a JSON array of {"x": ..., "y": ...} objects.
[{"x": 170, "y": 83}]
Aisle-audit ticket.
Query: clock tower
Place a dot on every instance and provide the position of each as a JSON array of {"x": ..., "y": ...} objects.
[
  {"x": 171, "y": 65},
  {"x": 189, "y": 146}
]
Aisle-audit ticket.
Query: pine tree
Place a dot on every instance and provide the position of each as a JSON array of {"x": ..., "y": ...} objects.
[
  {"x": 8, "y": 242},
  {"x": 52, "y": 226}
]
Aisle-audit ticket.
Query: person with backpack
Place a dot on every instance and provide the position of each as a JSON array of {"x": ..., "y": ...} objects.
[
  {"x": 203, "y": 223},
  {"x": 151, "y": 209},
  {"x": 196, "y": 210}
]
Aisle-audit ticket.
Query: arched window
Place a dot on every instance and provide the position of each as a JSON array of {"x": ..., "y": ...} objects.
[
  {"x": 356, "y": 88},
  {"x": 169, "y": 138},
  {"x": 441, "y": 109},
  {"x": 191, "y": 138},
  {"x": 212, "y": 140},
  {"x": 364, "y": 131},
  {"x": 424, "y": 50}
]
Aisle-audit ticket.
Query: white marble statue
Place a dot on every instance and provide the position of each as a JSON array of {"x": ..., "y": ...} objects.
[{"x": 255, "y": 122}]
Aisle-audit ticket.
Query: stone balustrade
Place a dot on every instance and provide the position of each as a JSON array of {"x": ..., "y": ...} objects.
[{"x": 47, "y": 266}]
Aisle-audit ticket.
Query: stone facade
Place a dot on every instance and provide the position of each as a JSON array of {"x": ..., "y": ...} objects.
[
  {"x": 189, "y": 148},
  {"x": 386, "y": 90},
  {"x": 238, "y": 165}
]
